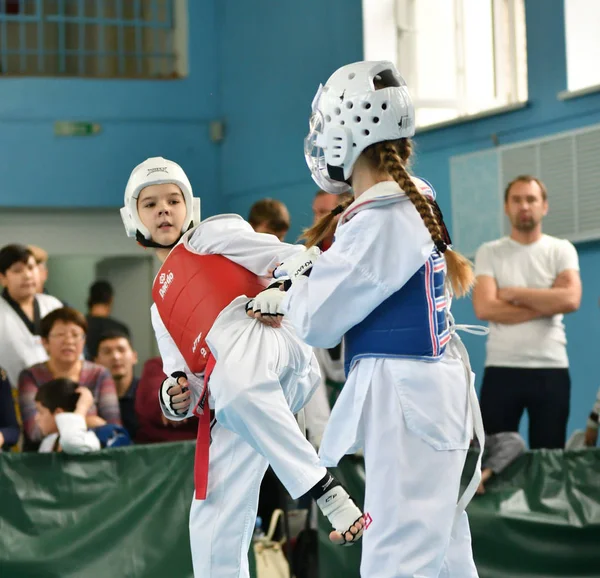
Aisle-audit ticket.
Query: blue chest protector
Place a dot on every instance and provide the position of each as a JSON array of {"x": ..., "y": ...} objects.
[
  {"x": 112, "y": 436},
  {"x": 412, "y": 323}
]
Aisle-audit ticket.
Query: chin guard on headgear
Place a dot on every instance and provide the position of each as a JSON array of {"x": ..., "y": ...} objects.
[
  {"x": 156, "y": 171},
  {"x": 349, "y": 114}
]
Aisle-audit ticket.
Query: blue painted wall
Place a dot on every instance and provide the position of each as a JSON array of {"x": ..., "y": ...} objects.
[
  {"x": 268, "y": 81},
  {"x": 257, "y": 65},
  {"x": 544, "y": 115},
  {"x": 139, "y": 119}
]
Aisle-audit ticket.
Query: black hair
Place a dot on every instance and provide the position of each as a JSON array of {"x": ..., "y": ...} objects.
[
  {"x": 101, "y": 293},
  {"x": 58, "y": 394},
  {"x": 11, "y": 254},
  {"x": 112, "y": 334}
]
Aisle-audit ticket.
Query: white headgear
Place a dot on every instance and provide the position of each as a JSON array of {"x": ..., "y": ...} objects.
[
  {"x": 156, "y": 171},
  {"x": 349, "y": 114}
]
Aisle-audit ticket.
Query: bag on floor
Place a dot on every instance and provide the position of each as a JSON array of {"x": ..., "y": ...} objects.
[{"x": 270, "y": 559}]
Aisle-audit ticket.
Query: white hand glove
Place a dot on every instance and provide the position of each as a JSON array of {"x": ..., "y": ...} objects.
[
  {"x": 267, "y": 302},
  {"x": 175, "y": 392},
  {"x": 343, "y": 514},
  {"x": 298, "y": 264}
]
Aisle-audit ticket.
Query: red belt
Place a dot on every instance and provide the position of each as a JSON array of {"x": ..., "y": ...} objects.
[{"x": 202, "y": 412}]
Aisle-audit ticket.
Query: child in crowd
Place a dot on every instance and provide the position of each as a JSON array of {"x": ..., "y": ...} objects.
[{"x": 61, "y": 407}]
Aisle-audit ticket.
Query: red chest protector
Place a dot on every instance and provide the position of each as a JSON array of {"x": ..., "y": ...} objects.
[{"x": 190, "y": 290}]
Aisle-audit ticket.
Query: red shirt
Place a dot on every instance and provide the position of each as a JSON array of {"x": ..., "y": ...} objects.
[{"x": 151, "y": 428}]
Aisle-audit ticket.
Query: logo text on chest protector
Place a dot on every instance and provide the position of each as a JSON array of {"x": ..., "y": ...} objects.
[
  {"x": 196, "y": 342},
  {"x": 165, "y": 280},
  {"x": 203, "y": 351}
]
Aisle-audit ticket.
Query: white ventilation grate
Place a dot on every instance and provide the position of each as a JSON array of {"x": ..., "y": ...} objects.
[
  {"x": 556, "y": 171},
  {"x": 569, "y": 165},
  {"x": 587, "y": 168}
]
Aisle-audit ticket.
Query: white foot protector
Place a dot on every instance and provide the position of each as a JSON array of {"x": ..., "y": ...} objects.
[{"x": 345, "y": 516}]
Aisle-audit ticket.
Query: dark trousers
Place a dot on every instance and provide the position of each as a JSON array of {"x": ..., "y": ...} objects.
[{"x": 506, "y": 392}]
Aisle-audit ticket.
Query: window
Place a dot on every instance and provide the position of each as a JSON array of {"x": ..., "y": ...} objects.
[
  {"x": 583, "y": 43},
  {"x": 94, "y": 38},
  {"x": 458, "y": 57}
]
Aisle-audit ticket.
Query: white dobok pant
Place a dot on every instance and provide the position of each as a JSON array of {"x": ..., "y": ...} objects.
[
  {"x": 262, "y": 377},
  {"x": 414, "y": 420}
]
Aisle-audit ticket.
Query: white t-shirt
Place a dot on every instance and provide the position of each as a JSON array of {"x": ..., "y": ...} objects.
[
  {"x": 19, "y": 349},
  {"x": 540, "y": 342}
]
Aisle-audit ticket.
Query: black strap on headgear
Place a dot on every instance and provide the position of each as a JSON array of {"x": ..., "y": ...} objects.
[{"x": 154, "y": 245}]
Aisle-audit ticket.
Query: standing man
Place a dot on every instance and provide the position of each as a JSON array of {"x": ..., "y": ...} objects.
[
  {"x": 99, "y": 320},
  {"x": 525, "y": 283}
]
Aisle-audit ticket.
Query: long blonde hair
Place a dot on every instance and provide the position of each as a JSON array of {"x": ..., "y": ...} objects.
[
  {"x": 392, "y": 157},
  {"x": 324, "y": 228}
]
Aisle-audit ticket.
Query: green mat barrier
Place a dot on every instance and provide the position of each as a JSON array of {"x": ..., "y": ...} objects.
[
  {"x": 123, "y": 513},
  {"x": 540, "y": 518},
  {"x": 112, "y": 514}
]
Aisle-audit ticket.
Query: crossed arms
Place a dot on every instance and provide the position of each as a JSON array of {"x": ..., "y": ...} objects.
[{"x": 512, "y": 305}]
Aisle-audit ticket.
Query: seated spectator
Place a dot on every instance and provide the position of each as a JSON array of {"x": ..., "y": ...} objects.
[
  {"x": 270, "y": 216},
  {"x": 63, "y": 336},
  {"x": 153, "y": 426},
  {"x": 118, "y": 356},
  {"x": 61, "y": 409},
  {"x": 99, "y": 320},
  {"x": 591, "y": 432},
  {"x": 500, "y": 451},
  {"x": 581, "y": 439},
  {"x": 41, "y": 259},
  {"x": 21, "y": 310},
  {"x": 9, "y": 426}
]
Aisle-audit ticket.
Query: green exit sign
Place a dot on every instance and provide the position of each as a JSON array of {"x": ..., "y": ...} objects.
[{"x": 75, "y": 128}]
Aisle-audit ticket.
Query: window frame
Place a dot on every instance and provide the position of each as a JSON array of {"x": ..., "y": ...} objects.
[
  {"x": 63, "y": 39},
  {"x": 510, "y": 91}
]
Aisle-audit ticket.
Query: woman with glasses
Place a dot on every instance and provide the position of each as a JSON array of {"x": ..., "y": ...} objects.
[{"x": 63, "y": 333}]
